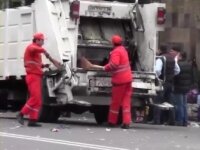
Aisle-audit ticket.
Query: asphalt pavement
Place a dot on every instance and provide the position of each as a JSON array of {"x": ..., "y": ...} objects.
[{"x": 80, "y": 132}]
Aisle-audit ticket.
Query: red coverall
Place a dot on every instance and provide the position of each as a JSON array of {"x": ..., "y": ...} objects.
[
  {"x": 121, "y": 85},
  {"x": 33, "y": 66}
]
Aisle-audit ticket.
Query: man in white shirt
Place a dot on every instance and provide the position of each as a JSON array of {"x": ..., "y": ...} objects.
[{"x": 166, "y": 67}]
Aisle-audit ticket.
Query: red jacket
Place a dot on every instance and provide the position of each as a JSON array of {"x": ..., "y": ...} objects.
[
  {"x": 33, "y": 59},
  {"x": 119, "y": 66}
]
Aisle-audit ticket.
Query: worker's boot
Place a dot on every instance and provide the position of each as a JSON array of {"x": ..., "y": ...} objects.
[
  {"x": 125, "y": 126},
  {"x": 20, "y": 118},
  {"x": 33, "y": 123}
]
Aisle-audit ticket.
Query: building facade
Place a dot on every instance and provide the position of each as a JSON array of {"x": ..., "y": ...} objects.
[{"x": 183, "y": 27}]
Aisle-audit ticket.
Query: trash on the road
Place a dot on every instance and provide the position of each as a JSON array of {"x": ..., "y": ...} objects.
[
  {"x": 84, "y": 118},
  {"x": 60, "y": 127},
  {"x": 63, "y": 127},
  {"x": 55, "y": 130},
  {"x": 108, "y": 129},
  {"x": 102, "y": 139},
  {"x": 178, "y": 146},
  {"x": 12, "y": 128},
  {"x": 194, "y": 124}
]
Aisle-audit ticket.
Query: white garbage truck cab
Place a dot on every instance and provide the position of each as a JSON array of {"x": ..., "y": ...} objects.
[{"x": 76, "y": 29}]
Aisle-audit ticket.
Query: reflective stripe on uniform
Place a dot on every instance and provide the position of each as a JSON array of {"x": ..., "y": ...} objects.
[
  {"x": 33, "y": 109},
  {"x": 126, "y": 111},
  {"x": 112, "y": 65},
  {"x": 114, "y": 112},
  {"x": 121, "y": 68},
  {"x": 31, "y": 62}
]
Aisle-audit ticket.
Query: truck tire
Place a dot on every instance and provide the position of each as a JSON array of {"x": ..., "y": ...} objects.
[
  {"x": 3, "y": 100},
  {"x": 100, "y": 114},
  {"x": 48, "y": 113}
]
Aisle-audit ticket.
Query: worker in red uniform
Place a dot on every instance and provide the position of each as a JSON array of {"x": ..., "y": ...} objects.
[
  {"x": 119, "y": 67},
  {"x": 33, "y": 66}
]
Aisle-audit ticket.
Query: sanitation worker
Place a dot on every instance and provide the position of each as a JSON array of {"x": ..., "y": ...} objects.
[
  {"x": 33, "y": 66},
  {"x": 119, "y": 67}
]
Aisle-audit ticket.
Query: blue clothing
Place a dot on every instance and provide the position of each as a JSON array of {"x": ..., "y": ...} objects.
[{"x": 180, "y": 101}]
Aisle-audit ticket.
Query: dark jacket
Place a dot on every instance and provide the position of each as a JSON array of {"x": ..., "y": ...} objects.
[
  {"x": 184, "y": 80},
  {"x": 169, "y": 68}
]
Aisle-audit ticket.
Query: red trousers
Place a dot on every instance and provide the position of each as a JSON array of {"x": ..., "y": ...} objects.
[
  {"x": 121, "y": 97},
  {"x": 33, "y": 104}
]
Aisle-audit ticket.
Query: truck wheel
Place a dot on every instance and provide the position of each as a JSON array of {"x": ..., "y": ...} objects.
[
  {"x": 99, "y": 118},
  {"x": 48, "y": 113},
  {"x": 100, "y": 114},
  {"x": 3, "y": 100}
]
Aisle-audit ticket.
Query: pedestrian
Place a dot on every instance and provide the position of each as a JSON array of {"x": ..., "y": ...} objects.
[
  {"x": 33, "y": 66},
  {"x": 182, "y": 84},
  {"x": 166, "y": 68},
  {"x": 174, "y": 51},
  {"x": 119, "y": 67}
]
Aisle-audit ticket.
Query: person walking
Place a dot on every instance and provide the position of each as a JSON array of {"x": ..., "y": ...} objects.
[
  {"x": 33, "y": 66},
  {"x": 119, "y": 66}
]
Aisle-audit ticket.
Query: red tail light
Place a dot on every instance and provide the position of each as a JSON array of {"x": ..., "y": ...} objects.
[
  {"x": 74, "y": 10},
  {"x": 161, "y": 15}
]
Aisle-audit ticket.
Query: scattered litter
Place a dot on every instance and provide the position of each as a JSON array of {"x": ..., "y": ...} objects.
[
  {"x": 102, "y": 139},
  {"x": 84, "y": 118},
  {"x": 55, "y": 130},
  {"x": 63, "y": 127},
  {"x": 108, "y": 129},
  {"x": 194, "y": 124},
  {"x": 88, "y": 129},
  {"x": 133, "y": 130},
  {"x": 178, "y": 146},
  {"x": 16, "y": 127},
  {"x": 60, "y": 127}
]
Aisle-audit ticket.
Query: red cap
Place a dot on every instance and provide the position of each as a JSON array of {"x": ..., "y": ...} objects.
[
  {"x": 116, "y": 39},
  {"x": 39, "y": 36}
]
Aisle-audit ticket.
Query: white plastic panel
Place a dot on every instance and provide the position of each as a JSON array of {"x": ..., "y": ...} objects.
[
  {"x": 21, "y": 69},
  {"x": 12, "y": 51},
  {"x": 2, "y": 34},
  {"x": 26, "y": 32},
  {"x": 13, "y": 34},
  {"x": 1, "y": 68},
  {"x": 12, "y": 68},
  {"x": 2, "y": 18},
  {"x": 2, "y": 51},
  {"x": 22, "y": 48},
  {"x": 13, "y": 17}
]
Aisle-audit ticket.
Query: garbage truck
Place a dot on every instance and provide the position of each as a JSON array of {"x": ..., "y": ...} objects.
[{"x": 76, "y": 29}]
